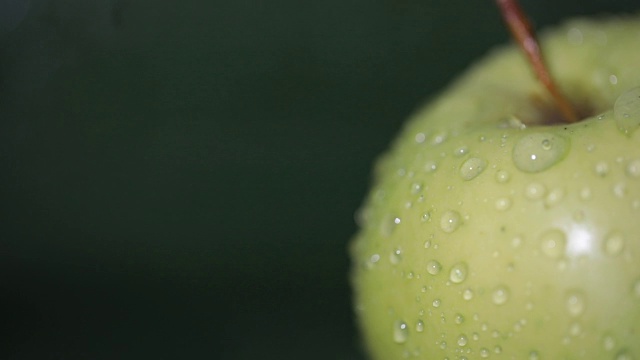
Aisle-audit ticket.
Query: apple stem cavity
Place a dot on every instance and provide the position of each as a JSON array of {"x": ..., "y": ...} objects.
[{"x": 523, "y": 33}]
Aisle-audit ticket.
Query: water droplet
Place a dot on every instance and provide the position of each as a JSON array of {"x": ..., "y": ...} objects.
[
  {"x": 553, "y": 243},
  {"x": 497, "y": 349},
  {"x": 462, "y": 340},
  {"x": 601, "y": 168},
  {"x": 416, "y": 188},
  {"x": 443, "y": 345},
  {"x": 626, "y": 111},
  {"x": 574, "y": 36},
  {"x": 585, "y": 193},
  {"x": 433, "y": 267},
  {"x": 458, "y": 273},
  {"x": 539, "y": 151},
  {"x": 534, "y": 355},
  {"x": 608, "y": 342},
  {"x": 503, "y": 204},
  {"x": 430, "y": 166},
  {"x": 535, "y": 191},
  {"x": 467, "y": 294},
  {"x": 472, "y": 168},
  {"x": 436, "y": 303},
  {"x": 484, "y": 353},
  {"x": 400, "y": 332},
  {"x": 388, "y": 226},
  {"x": 554, "y": 197},
  {"x": 396, "y": 256},
  {"x": 459, "y": 319},
  {"x": 620, "y": 190},
  {"x": 450, "y": 221},
  {"x": 633, "y": 168},
  {"x": 419, "y": 326},
  {"x": 425, "y": 217},
  {"x": 462, "y": 150},
  {"x": 420, "y": 137},
  {"x": 575, "y": 329},
  {"x": 575, "y": 303},
  {"x": 613, "y": 243},
  {"x": 427, "y": 244},
  {"x": 502, "y": 176},
  {"x": 500, "y": 295},
  {"x": 624, "y": 354}
]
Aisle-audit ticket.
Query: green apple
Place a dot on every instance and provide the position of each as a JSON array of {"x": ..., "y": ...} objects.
[{"x": 495, "y": 230}]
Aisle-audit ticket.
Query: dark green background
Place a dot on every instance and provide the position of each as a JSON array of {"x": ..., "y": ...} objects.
[{"x": 178, "y": 178}]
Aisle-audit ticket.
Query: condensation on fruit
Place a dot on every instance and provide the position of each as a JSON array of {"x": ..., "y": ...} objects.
[
  {"x": 535, "y": 191},
  {"x": 576, "y": 303},
  {"x": 500, "y": 295},
  {"x": 626, "y": 111},
  {"x": 472, "y": 167},
  {"x": 613, "y": 243},
  {"x": 553, "y": 243},
  {"x": 633, "y": 168},
  {"x": 450, "y": 221},
  {"x": 434, "y": 267},
  {"x": 502, "y": 176},
  {"x": 458, "y": 273},
  {"x": 539, "y": 151},
  {"x": 400, "y": 332}
]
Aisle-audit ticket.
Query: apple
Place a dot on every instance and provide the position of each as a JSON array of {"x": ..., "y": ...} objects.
[{"x": 494, "y": 229}]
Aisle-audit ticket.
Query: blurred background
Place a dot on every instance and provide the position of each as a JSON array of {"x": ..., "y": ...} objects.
[{"x": 178, "y": 178}]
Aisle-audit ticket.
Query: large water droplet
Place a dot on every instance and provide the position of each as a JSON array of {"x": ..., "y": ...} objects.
[
  {"x": 537, "y": 152},
  {"x": 613, "y": 243},
  {"x": 500, "y": 295},
  {"x": 472, "y": 168},
  {"x": 553, "y": 243},
  {"x": 626, "y": 111},
  {"x": 462, "y": 340},
  {"x": 576, "y": 303},
  {"x": 458, "y": 273},
  {"x": 400, "y": 332},
  {"x": 450, "y": 221},
  {"x": 433, "y": 267}
]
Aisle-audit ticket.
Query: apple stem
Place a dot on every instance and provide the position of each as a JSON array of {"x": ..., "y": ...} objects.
[{"x": 523, "y": 33}]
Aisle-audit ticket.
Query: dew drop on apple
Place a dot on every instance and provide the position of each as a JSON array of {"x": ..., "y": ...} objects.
[
  {"x": 434, "y": 267},
  {"x": 624, "y": 354},
  {"x": 539, "y": 151},
  {"x": 471, "y": 168},
  {"x": 467, "y": 294},
  {"x": 425, "y": 216},
  {"x": 576, "y": 303},
  {"x": 458, "y": 273},
  {"x": 462, "y": 340},
  {"x": 633, "y": 169},
  {"x": 534, "y": 355},
  {"x": 459, "y": 319},
  {"x": 436, "y": 303},
  {"x": 535, "y": 191},
  {"x": 400, "y": 332},
  {"x": 503, "y": 204},
  {"x": 608, "y": 342},
  {"x": 420, "y": 326},
  {"x": 502, "y": 176},
  {"x": 396, "y": 256},
  {"x": 613, "y": 243},
  {"x": 484, "y": 353},
  {"x": 450, "y": 221},
  {"x": 430, "y": 166},
  {"x": 553, "y": 243},
  {"x": 500, "y": 295},
  {"x": 626, "y": 111}
]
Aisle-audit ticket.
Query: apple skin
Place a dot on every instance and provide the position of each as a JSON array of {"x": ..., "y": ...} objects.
[{"x": 493, "y": 231}]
